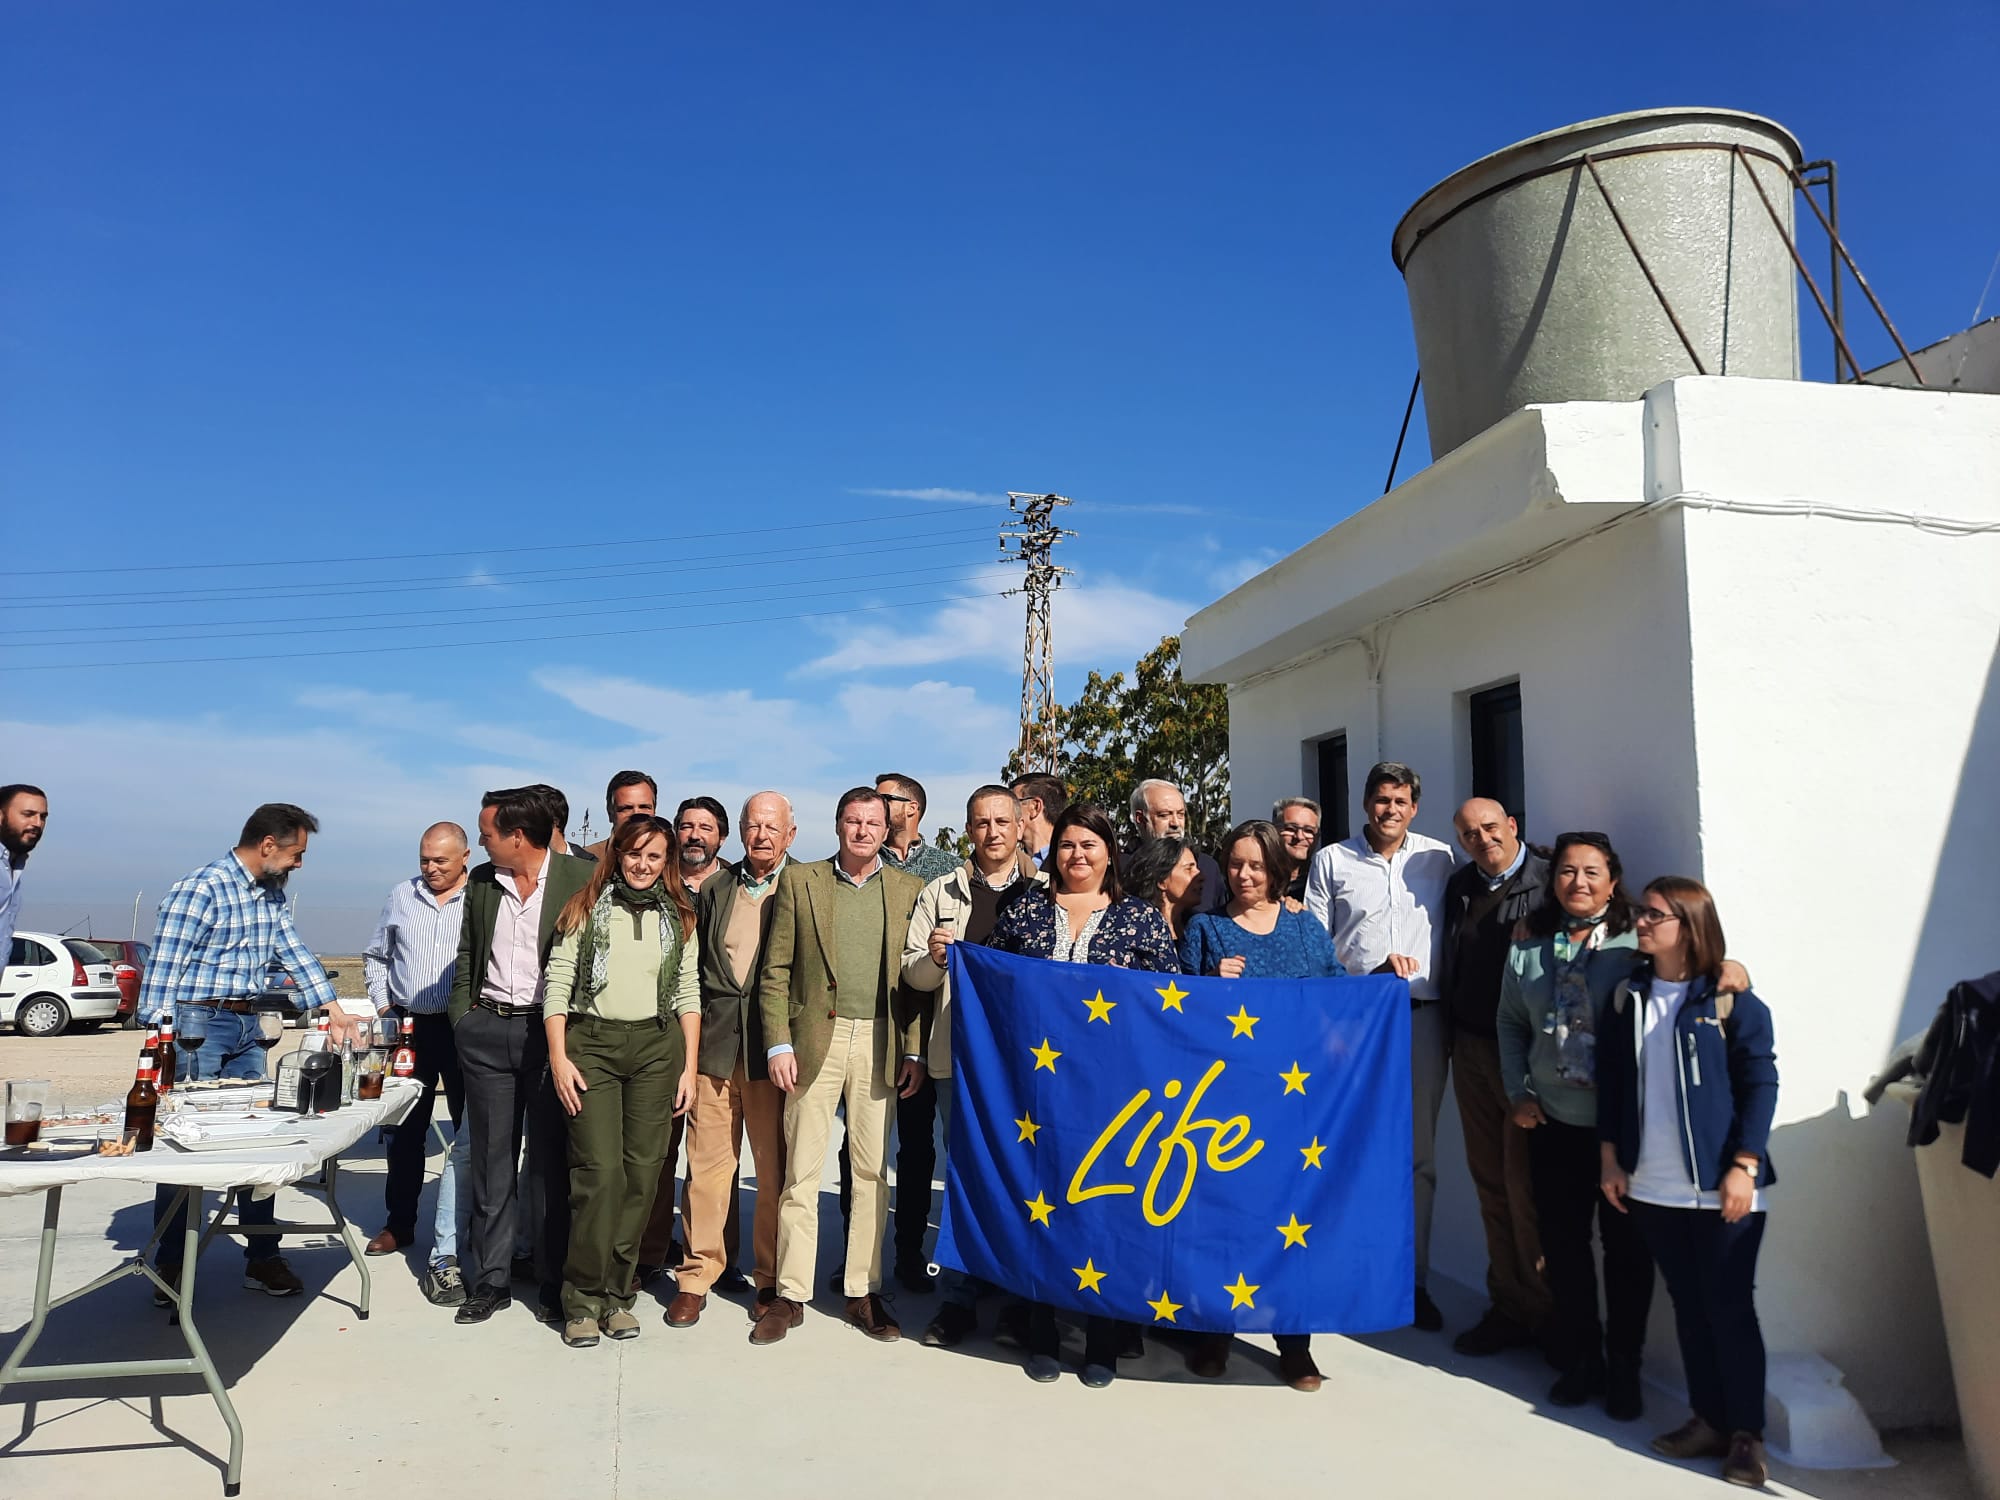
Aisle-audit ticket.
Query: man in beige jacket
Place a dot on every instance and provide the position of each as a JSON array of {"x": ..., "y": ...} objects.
[
  {"x": 961, "y": 908},
  {"x": 839, "y": 1026}
]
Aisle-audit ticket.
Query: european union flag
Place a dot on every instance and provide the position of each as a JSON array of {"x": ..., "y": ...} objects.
[{"x": 1209, "y": 1154}]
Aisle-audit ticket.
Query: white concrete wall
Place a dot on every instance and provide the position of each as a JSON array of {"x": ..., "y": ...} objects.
[{"x": 1802, "y": 711}]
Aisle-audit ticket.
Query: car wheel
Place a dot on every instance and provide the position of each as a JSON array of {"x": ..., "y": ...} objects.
[{"x": 41, "y": 1015}]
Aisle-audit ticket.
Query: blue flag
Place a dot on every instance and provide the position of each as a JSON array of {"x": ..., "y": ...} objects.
[{"x": 1222, "y": 1155}]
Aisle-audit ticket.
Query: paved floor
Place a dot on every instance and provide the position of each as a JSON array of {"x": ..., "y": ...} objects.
[{"x": 408, "y": 1402}]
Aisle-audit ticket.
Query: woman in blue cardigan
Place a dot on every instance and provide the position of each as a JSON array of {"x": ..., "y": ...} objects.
[{"x": 1687, "y": 1083}]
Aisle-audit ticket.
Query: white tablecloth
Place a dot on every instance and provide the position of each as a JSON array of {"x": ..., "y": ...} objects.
[{"x": 316, "y": 1138}]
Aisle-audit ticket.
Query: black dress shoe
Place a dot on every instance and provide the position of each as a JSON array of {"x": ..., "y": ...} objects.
[
  {"x": 481, "y": 1303},
  {"x": 1010, "y": 1331},
  {"x": 915, "y": 1279},
  {"x": 1494, "y": 1333},
  {"x": 1622, "y": 1400},
  {"x": 1042, "y": 1368},
  {"x": 732, "y": 1280},
  {"x": 1428, "y": 1318},
  {"x": 950, "y": 1327},
  {"x": 1578, "y": 1386}
]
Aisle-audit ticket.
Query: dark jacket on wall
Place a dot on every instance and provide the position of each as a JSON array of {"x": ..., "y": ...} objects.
[{"x": 1960, "y": 1064}]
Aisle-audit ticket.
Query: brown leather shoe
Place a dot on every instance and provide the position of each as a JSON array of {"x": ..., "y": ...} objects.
[
  {"x": 779, "y": 1317},
  {"x": 384, "y": 1243},
  {"x": 685, "y": 1310},
  {"x": 1745, "y": 1464},
  {"x": 872, "y": 1318},
  {"x": 1297, "y": 1370},
  {"x": 1694, "y": 1438},
  {"x": 761, "y": 1301}
]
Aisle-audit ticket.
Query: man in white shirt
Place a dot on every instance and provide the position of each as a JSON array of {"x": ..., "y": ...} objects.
[{"x": 1382, "y": 897}]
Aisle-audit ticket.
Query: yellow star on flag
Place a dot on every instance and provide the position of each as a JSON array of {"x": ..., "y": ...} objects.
[
  {"x": 1170, "y": 999},
  {"x": 1295, "y": 1234},
  {"x": 1045, "y": 1055},
  {"x": 1165, "y": 1308},
  {"x": 1241, "y": 1293},
  {"x": 1087, "y": 1277},
  {"x": 1099, "y": 1008},
  {"x": 1027, "y": 1127},
  {"x": 1241, "y": 1023},
  {"x": 1295, "y": 1081},
  {"x": 1312, "y": 1153},
  {"x": 1039, "y": 1208}
]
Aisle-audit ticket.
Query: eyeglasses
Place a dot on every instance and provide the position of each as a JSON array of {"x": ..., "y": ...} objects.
[
  {"x": 894, "y": 797},
  {"x": 1648, "y": 916},
  {"x": 1298, "y": 831}
]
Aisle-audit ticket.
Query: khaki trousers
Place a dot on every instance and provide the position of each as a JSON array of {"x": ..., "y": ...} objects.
[
  {"x": 723, "y": 1109},
  {"x": 1496, "y": 1153},
  {"x": 853, "y": 1072}
]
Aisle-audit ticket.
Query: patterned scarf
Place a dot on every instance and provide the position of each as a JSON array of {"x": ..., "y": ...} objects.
[
  {"x": 1575, "y": 1016},
  {"x": 597, "y": 934}
]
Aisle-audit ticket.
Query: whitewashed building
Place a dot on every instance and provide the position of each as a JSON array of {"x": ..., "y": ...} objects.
[{"x": 1748, "y": 627}]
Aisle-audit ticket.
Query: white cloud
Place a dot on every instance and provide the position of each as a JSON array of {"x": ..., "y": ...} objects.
[
  {"x": 940, "y": 494},
  {"x": 1095, "y": 621}
]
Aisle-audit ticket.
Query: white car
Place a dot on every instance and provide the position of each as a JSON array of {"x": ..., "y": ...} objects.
[{"x": 52, "y": 982}]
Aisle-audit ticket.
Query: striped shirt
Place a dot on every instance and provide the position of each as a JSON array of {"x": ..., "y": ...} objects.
[
  {"x": 218, "y": 932},
  {"x": 408, "y": 962}
]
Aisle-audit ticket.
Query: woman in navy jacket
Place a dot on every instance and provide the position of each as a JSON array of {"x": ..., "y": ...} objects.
[{"x": 1687, "y": 1082}]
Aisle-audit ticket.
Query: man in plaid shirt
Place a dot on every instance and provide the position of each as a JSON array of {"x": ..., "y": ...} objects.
[{"x": 218, "y": 933}]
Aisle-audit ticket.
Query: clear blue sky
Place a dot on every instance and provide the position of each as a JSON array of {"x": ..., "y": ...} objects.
[{"x": 291, "y": 282}]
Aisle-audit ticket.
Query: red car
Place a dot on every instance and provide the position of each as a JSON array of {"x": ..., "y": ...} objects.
[{"x": 128, "y": 960}]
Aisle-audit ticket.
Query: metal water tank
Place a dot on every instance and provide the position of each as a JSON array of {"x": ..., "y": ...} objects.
[{"x": 1525, "y": 288}]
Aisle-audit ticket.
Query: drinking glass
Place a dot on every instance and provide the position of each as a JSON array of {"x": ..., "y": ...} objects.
[{"x": 28, "y": 1100}]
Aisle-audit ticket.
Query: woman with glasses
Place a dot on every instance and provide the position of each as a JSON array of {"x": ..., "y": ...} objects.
[
  {"x": 1258, "y": 935},
  {"x": 1083, "y": 916},
  {"x": 1687, "y": 1084},
  {"x": 1166, "y": 875},
  {"x": 623, "y": 1016}
]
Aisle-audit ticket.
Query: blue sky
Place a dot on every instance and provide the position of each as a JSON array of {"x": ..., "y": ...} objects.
[{"x": 772, "y": 283}]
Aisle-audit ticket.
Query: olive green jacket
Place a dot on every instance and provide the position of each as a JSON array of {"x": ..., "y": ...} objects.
[
  {"x": 563, "y": 875},
  {"x": 795, "y": 989}
]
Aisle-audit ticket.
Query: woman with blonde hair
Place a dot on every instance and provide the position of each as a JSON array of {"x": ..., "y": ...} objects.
[{"x": 623, "y": 1015}]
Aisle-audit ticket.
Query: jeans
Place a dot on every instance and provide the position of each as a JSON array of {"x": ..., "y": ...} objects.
[
  {"x": 1711, "y": 1273},
  {"x": 217, "y": 1044},
  {"x": 454, "y": 1214}
]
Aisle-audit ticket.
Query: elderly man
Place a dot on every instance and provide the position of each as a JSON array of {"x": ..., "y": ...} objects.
[
  {"x": 24, "y": 813},
  {"x": 961, "y": 907},
  {"x": 1382, "y": 897},
  {"x": 629, "y": 795},
  {"x": 839, "y": 1027},
  {"x": 1159, "y": 811},
  {"x": 1482, "y": 901},
  {"x": 733, "y": 1092},
  {"x": 219, "y": 931},
  {"x": 408, "y": 964},
  {"x": 1298, "y": 820}
]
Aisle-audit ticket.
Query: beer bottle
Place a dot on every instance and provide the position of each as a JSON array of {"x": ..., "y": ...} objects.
[
  {"x": 142, "y": 1106},
  {"x": 166, "y": 1058},
  {"x": 404, "y": 1063}
]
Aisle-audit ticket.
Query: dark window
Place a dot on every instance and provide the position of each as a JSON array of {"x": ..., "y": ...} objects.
[
  {"x": 1330, "y": 787},
  {"x": 85, "y": 952},
  {"x": 29, "y": 954},
  {"x": 1499, "y": 770}
]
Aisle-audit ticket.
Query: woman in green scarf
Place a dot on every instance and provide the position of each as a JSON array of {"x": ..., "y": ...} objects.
[{"x": 623, "y": 1013}]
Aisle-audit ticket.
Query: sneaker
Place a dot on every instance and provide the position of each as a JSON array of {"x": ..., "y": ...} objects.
[
  {"x": 1494, "y": 1333},
  {"x": 1745, "y": 1464},
  {"x": 580, "y": 1333},
  {"x": 621, "y": 1325},
  {"x": 443, "y": 1284},
  {"x": 272, "y": 1277}
]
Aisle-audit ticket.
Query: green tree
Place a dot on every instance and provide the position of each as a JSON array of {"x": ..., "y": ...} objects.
[{"x": 1119, "y": 733}]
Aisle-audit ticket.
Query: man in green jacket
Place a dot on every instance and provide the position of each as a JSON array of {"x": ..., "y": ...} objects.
[
  {"x": 511, "y": 906},
  {"x": 839, "y": 1025}
]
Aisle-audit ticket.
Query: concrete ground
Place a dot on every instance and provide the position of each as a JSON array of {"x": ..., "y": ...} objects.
[{"x": 410, "y": 1402}]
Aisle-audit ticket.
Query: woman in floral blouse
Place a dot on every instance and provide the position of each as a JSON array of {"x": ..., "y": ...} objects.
[{"x": 1084, "y": 917}]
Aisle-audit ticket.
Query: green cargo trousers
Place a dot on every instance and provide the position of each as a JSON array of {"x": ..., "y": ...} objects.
[{"x": 616, "y": 1144}]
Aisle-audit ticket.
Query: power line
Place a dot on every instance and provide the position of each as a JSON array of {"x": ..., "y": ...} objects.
[
  {"x": 527, "y": 578},
  {"x": 596, "y": 607},
  {"x": 521, "y": 640},
  {"x": 688, "y": 536}
]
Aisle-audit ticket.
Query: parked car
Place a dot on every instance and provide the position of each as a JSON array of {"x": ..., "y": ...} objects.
[
  {"x": 128, "y": 962},
  {"x": 53, "y": 982}
]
